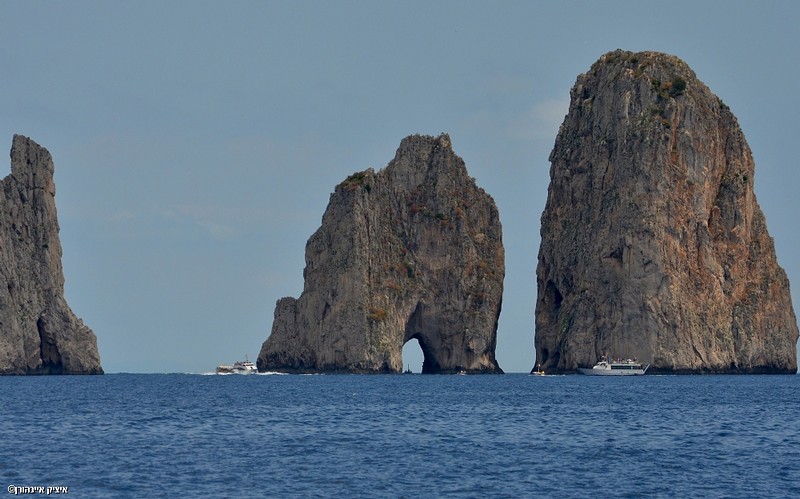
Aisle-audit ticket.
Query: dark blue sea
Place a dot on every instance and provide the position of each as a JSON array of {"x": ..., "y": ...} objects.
[{"x": 513, "y": 435}]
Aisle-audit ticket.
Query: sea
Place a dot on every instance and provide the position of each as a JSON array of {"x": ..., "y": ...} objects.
[{"x": 400, "y": 436}]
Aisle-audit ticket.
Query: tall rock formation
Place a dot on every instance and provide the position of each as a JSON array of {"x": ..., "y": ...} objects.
[
  {"x": 412, "y": 251},
  {"x": 653, "y": 244},
  {"x": 39, "y": 334}
]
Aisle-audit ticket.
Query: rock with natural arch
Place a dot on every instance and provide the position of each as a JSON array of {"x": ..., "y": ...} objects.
[{"x": 411, "y": 251}]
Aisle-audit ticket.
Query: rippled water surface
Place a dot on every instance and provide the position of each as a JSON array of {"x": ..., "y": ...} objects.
[{"x": 128, "y": 435}]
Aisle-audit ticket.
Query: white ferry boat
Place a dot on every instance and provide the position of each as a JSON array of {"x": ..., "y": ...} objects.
[
  {"x": 239, "y": 367},
  {"x": 626, "y": 367},
  {"x": 245, "y": 367}
]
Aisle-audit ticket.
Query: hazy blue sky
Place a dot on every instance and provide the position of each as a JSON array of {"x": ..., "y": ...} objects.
[{"x": 196, "y": 143}]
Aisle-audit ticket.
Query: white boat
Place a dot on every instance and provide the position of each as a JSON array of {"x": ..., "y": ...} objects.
[
  {"x": 239, "y": 367},
  {"x": 245, "y": 367},
  {"x": 538, "y": 371},
  {"x": 626, "y": 367}
]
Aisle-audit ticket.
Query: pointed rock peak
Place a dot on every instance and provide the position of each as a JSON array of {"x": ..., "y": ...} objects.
[
  {"x": 420, "y": 156},
  {"x": 31, "y": 164},
  {"x": 418, "y": 150},
  {"x": 426, "y": 142}
]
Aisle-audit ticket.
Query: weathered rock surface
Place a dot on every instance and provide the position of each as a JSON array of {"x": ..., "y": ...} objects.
[
  {"x": 411, "y": 251},
  {"x": 39, "y": 334},
  {"x": 653, "y": 244}
]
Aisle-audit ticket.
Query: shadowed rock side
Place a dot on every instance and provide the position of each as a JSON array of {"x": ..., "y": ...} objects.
[
  {"x": 412, "y": 251},
  {"x": 653, "y": 244},
  {"x": 39, "y": 334}
]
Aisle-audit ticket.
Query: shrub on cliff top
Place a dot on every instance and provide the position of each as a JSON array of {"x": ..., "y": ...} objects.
[{"x": 678, "y": 87}]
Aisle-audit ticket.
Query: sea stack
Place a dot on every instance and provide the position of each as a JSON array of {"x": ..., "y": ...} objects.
[
  {"x": 39, "y": 334},
  {"x": 653, "y": 244},
  {"x": 411, "y": 251}
]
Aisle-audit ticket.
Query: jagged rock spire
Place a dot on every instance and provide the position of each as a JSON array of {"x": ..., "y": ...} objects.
[{"x": 39, "y": 334}]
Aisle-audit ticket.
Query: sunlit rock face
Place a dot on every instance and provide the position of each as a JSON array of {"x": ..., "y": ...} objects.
[
  {"x": 653, "y": 244},
  {"x": 411, "y": 251},
  {"x": 39, "y": 334}
]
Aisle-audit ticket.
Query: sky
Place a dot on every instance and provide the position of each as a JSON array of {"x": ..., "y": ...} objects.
[{"x": 196, "y": 143}]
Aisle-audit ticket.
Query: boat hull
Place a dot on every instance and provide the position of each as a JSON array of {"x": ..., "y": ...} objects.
[
  {"x": 609, "y": 372},
  {"x": 244, "y": 371}
]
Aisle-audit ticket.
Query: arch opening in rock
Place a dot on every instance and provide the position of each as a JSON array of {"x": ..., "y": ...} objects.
[
  {"x": 420, "y": 326},
  {"x": 412, "y": 355}
]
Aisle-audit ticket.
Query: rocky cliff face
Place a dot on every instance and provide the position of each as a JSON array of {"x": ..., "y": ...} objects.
[
  {"x": 412, "y": 251},
  {"x": 39, "y": 334},
  {"x": 653, "y": 244}
]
